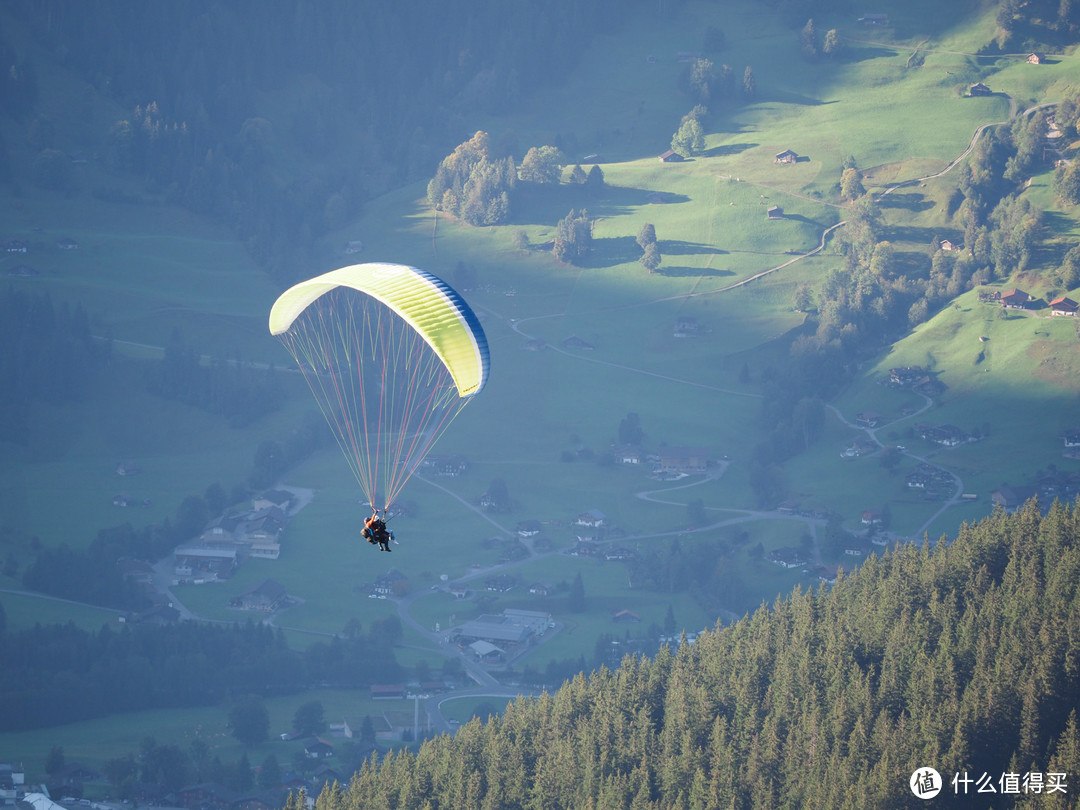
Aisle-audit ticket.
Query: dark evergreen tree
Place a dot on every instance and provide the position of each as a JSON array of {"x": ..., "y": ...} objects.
[
  {"x": 576, "y": 600},
  {"x": 249, "y": 721},
  {"x": 630, "y": 432},
  {"x": 594, "y": 182},
  {"x": 308, "y": 719}
]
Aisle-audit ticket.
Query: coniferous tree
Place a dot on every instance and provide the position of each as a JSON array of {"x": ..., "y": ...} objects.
[
  {"x": 594, "y": 182},
  {"x": 749, "y": 84},
  {"x": 808, "y": 40},
  {"x": 651, "y": 258},
  {"x": 576, "y": 601},
  {"x": 646, "y": 236}
]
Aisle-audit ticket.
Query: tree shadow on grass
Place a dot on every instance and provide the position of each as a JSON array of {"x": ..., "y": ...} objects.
[
  {"x": 728, "y": 149},
  {"x": 611, "y": 251},
  {"x": 1058, "y": 223},
  {"x": 682, "y": 272},
  {"x": 911, "y": 233},
  {"x": 850, "y": 54},
  {"x": 677, "y": 247},
  {"x": 547, "y": 204},
  {"x": 800, "y": 218},
  {"x": 783, "y": 97},
  {"x": 910, "y": 200}
]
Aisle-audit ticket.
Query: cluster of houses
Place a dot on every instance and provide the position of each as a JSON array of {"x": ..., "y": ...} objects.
[
  {"x": 267, "y": 596},
  {"x": 908, "y": 376},
  {"x": 1072, "y": 444},
  {"x": 916, "y": 378},
  {"x": 1051, "y": 486},
  {"x": 123, "y": 500},
  {"x": 934, "y": 482},
  {"x": 860, "y": 446},
  {"x": 392, "y": 725},
  {"x": 230, "y": 539},
  {"x": 21, "y": 246},
  {"x": 391, "y": 584},
  {"x": 495, "y": 638},
  {"x": 12, "y": 782},
  {"x": 69, "y": 783},
  {"x": 943, "y": 435},
  {"x": 16, "y": 247},
  {"x": 791, "y": 557},
  {"x": 1019, "y": 299},
  {"x": 668, "y": 463},
  {"x": 450, "y": 466}
]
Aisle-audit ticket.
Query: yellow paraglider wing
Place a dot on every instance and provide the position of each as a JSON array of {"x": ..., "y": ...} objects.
[
  {"x": 391, "y": 354},
  {"x": 428, "y": 304}
]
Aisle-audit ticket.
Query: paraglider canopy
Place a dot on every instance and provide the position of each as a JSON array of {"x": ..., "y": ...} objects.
[{"x": 392, "y": 354}]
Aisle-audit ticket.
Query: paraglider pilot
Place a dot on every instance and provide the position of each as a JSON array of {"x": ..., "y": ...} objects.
[{"x": 375, "y": 531}]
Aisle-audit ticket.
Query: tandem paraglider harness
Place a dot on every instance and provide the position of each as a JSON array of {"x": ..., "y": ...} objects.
[{"x": 375, "y": 532}]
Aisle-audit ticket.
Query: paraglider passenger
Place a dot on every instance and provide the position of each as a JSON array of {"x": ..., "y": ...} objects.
[{"x": 375, "y": 531}]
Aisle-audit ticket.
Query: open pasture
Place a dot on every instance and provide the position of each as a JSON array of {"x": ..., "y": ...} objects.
[
  {"x": 93, "y": 743},
  {"x": 898, "y": 116},
  {"x": 24, "y": 610}
]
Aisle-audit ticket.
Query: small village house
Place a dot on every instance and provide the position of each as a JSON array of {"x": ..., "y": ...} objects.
[
  {"x": 267, "y": 596},
  {"x": 1063, "y": 306},
  {"x": 593, "y": 518},
  {"x": 867, "y": 419},
  {"x": 1015, "y": 299},
  {"x": 280, "y": 498},
  {"x": 785, "y": 157},
  {"x": 684, "y": 459},
  {"x": 787, "y": 557}
]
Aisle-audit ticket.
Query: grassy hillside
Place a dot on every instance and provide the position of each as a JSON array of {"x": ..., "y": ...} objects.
[{"x": 892, "y": 101}]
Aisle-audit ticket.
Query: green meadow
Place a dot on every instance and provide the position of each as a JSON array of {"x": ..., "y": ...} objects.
[
  {"x": 93, "y": 743},
  {"x": 893, "y": 102}
]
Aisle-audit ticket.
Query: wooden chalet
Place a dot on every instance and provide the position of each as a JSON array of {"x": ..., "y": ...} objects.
[
  {"x": 1063, "y": 306},
  {"x": 1015, "y": 299}
]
